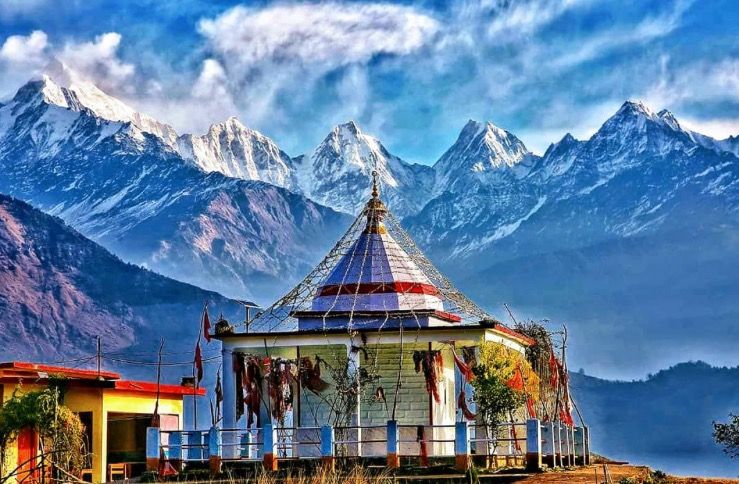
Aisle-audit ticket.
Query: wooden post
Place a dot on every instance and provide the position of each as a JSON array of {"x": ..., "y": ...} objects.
[
  {"x": 558, "y": 432},
  {"x": 393, "y": 446},
  {"x": 579, "y": 446},
  {"x": 533, "y": 445},
  {"x": 246, "y": 448},
  {"x": 153, "y": 447},
  {"x": 586, "y": 441},
  {"x": 462, "y": 457},
  {"x": 268, "y": 442},
  {"x": 327, "y": 446},
  {"x": 175, "y": 450},
  {"x": 214, "y": 450}
]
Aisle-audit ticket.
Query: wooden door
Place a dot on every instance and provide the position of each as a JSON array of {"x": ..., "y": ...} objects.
[{"x": 27, "y": 450}]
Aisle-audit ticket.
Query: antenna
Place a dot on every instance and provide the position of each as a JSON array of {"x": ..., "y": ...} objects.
[{"x": 99, "y": 357}]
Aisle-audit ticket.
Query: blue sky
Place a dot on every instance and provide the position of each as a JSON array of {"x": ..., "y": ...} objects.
[{"x": 411, "y": 73}]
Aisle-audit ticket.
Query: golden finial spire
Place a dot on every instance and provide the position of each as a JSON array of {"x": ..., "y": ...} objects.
[{"x": 375, "y": 190}]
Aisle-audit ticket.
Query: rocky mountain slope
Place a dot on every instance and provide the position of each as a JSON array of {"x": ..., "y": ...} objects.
[
  {"x": 59, "y": 291},
  {"x": 128, "y": 190}
]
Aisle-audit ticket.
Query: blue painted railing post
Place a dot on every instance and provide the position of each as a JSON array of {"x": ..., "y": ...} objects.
[
  {"x": 533, "y": 445},
  {"x": 268, "y": 442},
  {"x": 462, "y": 458},
  {"x": 327, "y": 446},
  {"x": 153, "y": 448},
  {"x": 214, "y": 450},
  {"x": 393, "y": 449},
  {"x": 175, "y": 450},
  {"x": 194, "y": 441}
]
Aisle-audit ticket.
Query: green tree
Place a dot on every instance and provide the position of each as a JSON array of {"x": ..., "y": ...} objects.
[
  {"x": 60, "y": 431},
  {"x": 494, "y": 398},
  {"x": 727, "y": 434}
]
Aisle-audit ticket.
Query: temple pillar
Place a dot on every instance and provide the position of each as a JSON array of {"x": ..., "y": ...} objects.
[
  {"x": 229, "y": 403},
  {"x": 352, "y": 369}
]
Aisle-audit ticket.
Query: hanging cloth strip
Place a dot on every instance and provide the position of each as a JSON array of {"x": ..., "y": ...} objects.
[
  {"x": 530, "y": 407},
  {"x": 463, "y": 367},
  {"x": 281, "y": 373},
  {"x": 565, "y": 413},
  {"x": 462, "y": 405},
  {"x": 553, "y": 370},
  {"x": 239, "y": 370},
  {"x": 253, "y": 384},
  {"x": 310, "y": 375},
  {"x": 431, "y": 363}
]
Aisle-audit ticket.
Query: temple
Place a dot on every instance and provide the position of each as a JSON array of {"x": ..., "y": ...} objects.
[{"x": 373, "y": 334}]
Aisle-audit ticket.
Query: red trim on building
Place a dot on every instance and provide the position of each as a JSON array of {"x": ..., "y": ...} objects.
[
  {"x": 151, "y": 387},
  {"x": 515, "y": 334},
  {"x": 23, "y": 366},
  {"x": 379, "y": 288}
]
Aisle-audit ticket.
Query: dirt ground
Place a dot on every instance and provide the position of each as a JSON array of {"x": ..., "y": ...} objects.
[{"x": 637, "y": 474}]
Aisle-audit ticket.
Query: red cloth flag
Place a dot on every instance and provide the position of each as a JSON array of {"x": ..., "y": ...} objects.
[
  {"x": 516, "y": 381},
  {"x": 464, "y": 368},
  {"x": 530, "y": 407},
  {"x": 553, "y": 370},
  {"x": 206, "y": 325},
  {"x": 198, "y": 363}
]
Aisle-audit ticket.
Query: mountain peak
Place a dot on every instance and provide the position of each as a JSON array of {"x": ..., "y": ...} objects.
[
  {"x": 669, "y": 119},
  {"x": 635, "y": 108},
  {"x": 349, "y": 128},
  {"x": 61, "y": 86}
]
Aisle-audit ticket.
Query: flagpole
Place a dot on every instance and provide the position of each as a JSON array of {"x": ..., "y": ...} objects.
[{"x": 196, "y": 387}]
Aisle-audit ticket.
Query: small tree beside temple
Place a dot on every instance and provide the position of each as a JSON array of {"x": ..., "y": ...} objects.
[{"x": 504, "y": 381}]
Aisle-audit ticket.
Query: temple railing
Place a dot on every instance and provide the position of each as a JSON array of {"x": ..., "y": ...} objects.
[{"x": 532, "y": 444}]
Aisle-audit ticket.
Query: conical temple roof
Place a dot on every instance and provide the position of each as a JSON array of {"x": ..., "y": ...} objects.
[
  {"x": 375, "y": 277},
  {"x": 376, "y": 274}
]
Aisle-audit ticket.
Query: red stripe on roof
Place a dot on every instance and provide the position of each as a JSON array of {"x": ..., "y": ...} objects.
[
  {"x": 151, "y": 387},
  {"x": 399, "y": 287}
]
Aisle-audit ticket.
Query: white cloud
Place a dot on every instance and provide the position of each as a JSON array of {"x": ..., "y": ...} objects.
[
  {"x": 98, "y": 61},
  {"x": 697, "y": 82},
  {"x": 211, "y": 82},
  {"x": 328, "y": 34},
  {"x": 28, "y": 50},
  {"x": 718, "y": 128}
]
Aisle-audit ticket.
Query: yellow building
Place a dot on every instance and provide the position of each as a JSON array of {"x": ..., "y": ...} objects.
[{"x": 115, "y": 413}]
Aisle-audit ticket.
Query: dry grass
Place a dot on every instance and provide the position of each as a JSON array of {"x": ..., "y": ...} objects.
[{"x": 357, "y": 475}]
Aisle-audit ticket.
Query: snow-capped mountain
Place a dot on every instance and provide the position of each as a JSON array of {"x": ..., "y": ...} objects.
[
  {"x": 620, "y": 182},
  {"x": 131, "y": 192},
  {"x": 337, "y": 173},
  {"x": 477, "y": 156},
  {"x": 65, "y": 88},
  {"x": 237, "y": 151}
]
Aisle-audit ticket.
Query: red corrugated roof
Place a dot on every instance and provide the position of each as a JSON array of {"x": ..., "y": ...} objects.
[
  {"x": 20, "y": 369},
  {"x": 23, "y": 366}
]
